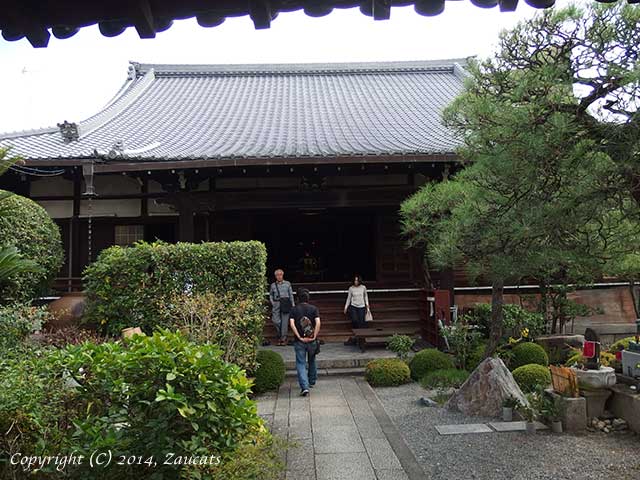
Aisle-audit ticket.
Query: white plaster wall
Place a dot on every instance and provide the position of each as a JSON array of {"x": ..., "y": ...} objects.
[
  {"x": 58, "y": 208},
  {"x": 51, "y": 186},
  {"x": 116, "y": 185},
  {"x": 111, "y": 208},
  {"x": 159, "y": 208}
]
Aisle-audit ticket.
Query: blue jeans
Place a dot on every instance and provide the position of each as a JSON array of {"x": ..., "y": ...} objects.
[{"x": 305, "y": 377}]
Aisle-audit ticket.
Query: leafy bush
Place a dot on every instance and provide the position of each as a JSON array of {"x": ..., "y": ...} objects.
[
  {"x": 270, "y": 371},
  {"x": 156, "y": 394},
  {"x": 528, "y": 353},
  {"x": 444, "y": 378},
  {"x": 463, "y": 338},
  {"x": 229, "y": 320},
  {"x": 530, "y": 377},
  {"x": 258, "y": 457},
  {"x": 401, "y": 345},
  {"x": 36, "y": 408},
  {"x": 476, "y": 356},
  {"x": 387, "y": 372},
  {"x": 429, "y": 360},
  {"x": 26, "y": 225},
  {"x": 515, "y": 319},
  {"x": 18, "y": 321},
  {"x": 607, "y": 358},
  {"x": 131, "y": 286},
  {"x": 621, "y": 344},
  {"x": 70, "y": 335}
]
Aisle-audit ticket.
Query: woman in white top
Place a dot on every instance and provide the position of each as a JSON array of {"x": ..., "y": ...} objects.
[{"x": 357, "y": 304}]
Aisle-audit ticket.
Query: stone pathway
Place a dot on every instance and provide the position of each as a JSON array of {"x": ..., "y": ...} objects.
[{"x": 340, "y": 432}]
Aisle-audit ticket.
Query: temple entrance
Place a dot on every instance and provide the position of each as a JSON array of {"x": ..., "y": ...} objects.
[{"x": 318, "y": 246}]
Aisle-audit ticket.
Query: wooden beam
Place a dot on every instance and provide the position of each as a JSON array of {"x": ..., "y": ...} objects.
[{"x": 143, "y": 19}]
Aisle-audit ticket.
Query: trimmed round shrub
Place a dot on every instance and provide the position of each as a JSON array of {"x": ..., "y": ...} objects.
[
  {"x": 387, "y": 372},
  {"x": 529, "y": 377},
  {"x": 449, "y": 377},
  {"x": 270, "y": 371},
  {"x": 429, "y": 360},
  {"x": 26, "y": 225},
  {"x": 528, "y": 353},
  {"x": 476, "y": 357}
]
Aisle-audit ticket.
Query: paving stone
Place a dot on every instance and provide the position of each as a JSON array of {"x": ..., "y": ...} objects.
[
  {"x": 300, "y": 456},
  {"x": 324, "y": 400},
  {"x": 340, "y": 439},
  {"x": 344, "y": 466},
  {"x": 308, "y": 474},
  {"x": 369, "y": 427},
  {"x": 463, "y": 428},
  {"x": 266, "y": 406},
  {"x": 515, "y": 426},
  {"x": 391, "y": 475},
  {"x": 331, "y": 417},
  {"x": 381, "y": 454}
]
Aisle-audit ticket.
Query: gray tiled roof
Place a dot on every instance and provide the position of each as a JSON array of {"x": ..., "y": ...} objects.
[{"x": 173, "y": 112}]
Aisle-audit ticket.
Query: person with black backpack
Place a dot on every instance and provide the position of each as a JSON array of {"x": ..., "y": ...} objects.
[
  {"x": 281, "y": 298},
  {"x": 304, "y": 322}
]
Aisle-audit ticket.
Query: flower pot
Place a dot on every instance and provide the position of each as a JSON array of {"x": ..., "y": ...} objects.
[
  {"x": 556, "y": 426},
  {"x": 507, "y": 414},
  {"x": 131, "y": 331},
  {"x": 531, "y": 428}
]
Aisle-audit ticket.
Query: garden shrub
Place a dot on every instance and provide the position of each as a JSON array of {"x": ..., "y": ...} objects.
[
  {"x": 463, "y": 337},
  {"x": 229, "y": 320},
  {"x": 528, "y": 353},
  {"x": 18, "y": 321},
  {"x": 132, "y": 286},
  {"x": 607, "y": 358},
  {"x": 387, "y": 372},
  {"x": 445, "y": 378},
  {"x": 156, "y": 394},
  {"x": 36, "y": 409},
  {"x": 530, "y": 377},
  {"x": 476, "y": 356},
  {"x": 515, "y": 319},
  {"x": 26, "y": 225},
  {"x": 401, "y": 345},
  {"x": 621, "y": 344},
  {"x": 258, "y": 457},
  {"x": 270, "y": 372},
  {"x": 69, "y": 335},
  {"x": 428, "y": 360}
]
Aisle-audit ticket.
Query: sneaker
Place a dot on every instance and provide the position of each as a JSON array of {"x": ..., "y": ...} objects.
[
  {"x": 304, "y": 393},
  {"x": 312, "y": 385}
]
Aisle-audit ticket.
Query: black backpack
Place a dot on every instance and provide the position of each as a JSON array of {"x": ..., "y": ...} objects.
[{"x": 285, "y": 302}]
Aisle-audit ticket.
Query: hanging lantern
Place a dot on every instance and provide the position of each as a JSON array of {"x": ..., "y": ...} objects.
[{"x": 429, "y": 8}]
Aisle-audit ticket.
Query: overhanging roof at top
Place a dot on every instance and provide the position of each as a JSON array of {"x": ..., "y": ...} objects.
[
  {"x": 38, "y": 19},
  {"x": 268, "y": 113}
]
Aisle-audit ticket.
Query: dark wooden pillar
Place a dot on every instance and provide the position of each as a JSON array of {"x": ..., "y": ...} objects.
[{"x": 186, "y": 228}]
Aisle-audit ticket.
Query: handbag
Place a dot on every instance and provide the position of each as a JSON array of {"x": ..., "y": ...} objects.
[
  {"x": 285, "y": 302},
  {"x": 368, "y": 316}
]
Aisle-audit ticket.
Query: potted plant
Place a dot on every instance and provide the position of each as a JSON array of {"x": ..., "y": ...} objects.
[
  {"x": 529, "y": 413},
  {"x": 553, "y": 413},
  {"x": 508, "y": 404}
]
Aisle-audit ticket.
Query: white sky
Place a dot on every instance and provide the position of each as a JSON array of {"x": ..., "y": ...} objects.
[{"x": 72, "y": 79}]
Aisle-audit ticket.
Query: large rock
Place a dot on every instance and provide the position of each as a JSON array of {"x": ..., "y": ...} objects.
[{"x": 485, "y": 390}]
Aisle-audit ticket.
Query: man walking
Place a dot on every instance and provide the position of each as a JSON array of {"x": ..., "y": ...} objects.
[
  {"x": 305, "y": 325},
  {"x": 281, "y": 298}
]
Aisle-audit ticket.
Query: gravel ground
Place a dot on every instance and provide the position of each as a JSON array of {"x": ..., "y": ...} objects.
[{"x": 512, "y": 456}]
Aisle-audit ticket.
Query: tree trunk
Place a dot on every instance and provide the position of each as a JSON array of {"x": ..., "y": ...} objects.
[{"x": 495, "y": 328}]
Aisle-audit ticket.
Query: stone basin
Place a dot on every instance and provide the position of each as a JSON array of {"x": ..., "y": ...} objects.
[{"x": 605, "y": 377}]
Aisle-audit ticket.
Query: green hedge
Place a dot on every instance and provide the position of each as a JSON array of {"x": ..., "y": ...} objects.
[
  {"x": 27, "y": 226},
  {"x": 270, "y": 371},
  {"x": 528, "y": 353},
  {"x": 387, "y": 372},
  {"x": 429, "y": 360},
  {"x": 530, "y": 377},
  {"x": 131, "y": 286}
]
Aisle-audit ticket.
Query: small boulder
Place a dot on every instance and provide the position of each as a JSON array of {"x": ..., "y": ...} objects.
[{"x": 485, "y": 390}]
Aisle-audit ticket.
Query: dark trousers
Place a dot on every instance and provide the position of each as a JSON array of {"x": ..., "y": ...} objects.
[{"x": 357, "y": 315}]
